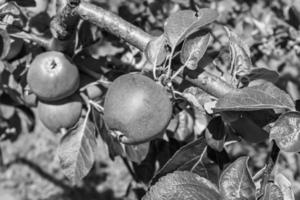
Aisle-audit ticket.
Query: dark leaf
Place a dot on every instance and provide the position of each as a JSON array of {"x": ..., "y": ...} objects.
[
  {"x": 220, "y": 158},
  {"x": 263, "y": 73},
  {"x": 185, "y": 22},
  {"x": 215, "y": 134},
  {"x": 86, "y": 36},
  {"x": 193, "y": 49},
  {"x": 272, "y": 192},
  {"x": 28, "y": 116},
  {"x": 185, "y": 154},
  {"x": 262, "y": 117},
  {"x": 145, "y": 170},
  {"x": 76, "y": 150},
  {"x": 27, "y": 3},
  {"x": 236, "y": 182},
  {"x": 13, "y": 128},
  {"x": 297, "y": 105},
  {"x": 294, "y": 17},
  {"x": 265, "y": 96},
  {"x": 182, "y": 185}
]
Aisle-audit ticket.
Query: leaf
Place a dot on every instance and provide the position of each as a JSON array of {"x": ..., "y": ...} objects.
[
  {"x": 137, "y": 153},
  {"x": 285, "y": 186},
  {"x": 155, "y": 50},
  {"x": 286, "y": 130},
  {"x": 113, "y": 146},
  {"x": 193, "y": 49},
  {"x": 215, "y": 134},
  {"x": 76, "y": 150},
  {"x": 28, "y": 116},
  {"x": 185, "y": 22},
  {"x": 204, "y": 167},
  {"x": 263, "y": 73},
  {"x": 264, "y": 96},
  {"x": 240, "y": 58},
  {"x": 197, "y": 97},
  {"x": 272, "y": 192},
  {"x": 236, "y": 182},
  {"x": 191, "y": 151},
  {"x": 181, "y": 186},
  {"x": 27, "y": 3},
  {"x": 220, "y": 158},
  {"x": 5, "y": 44},
  {"x": 294, "y": 17},
  {"x": 184, "y": 129}
]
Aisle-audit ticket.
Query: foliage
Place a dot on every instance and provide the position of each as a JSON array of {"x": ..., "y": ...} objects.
[{"x": 228, "y": 67}]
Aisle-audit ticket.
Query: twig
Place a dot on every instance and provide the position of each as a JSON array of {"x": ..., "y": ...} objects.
[
  {"x": 133, "y": 175},
  {"x": 271, "y": 161},
  {"x": 41, "y": 172}
]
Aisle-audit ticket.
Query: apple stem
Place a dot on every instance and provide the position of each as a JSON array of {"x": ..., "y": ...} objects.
[{"x": 53, "y": 64}]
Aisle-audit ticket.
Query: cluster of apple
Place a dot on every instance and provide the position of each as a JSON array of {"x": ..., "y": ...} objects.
[{"x": 135, "y": 106}]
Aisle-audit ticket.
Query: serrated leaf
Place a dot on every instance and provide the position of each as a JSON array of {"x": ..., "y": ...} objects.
[
  {"x": 286, "y": 131},
  {"x": 264, "y": 96},
  {"x": 185, "y": 22},
  {"x": 285, "y": 186},
  {"x": 137, "y": 153},
  {"x": 236, "y": 182},
  {"x": 181, "y": 186},
  {"x": 193, "y": 49},
  {"x": 76, "y": 150},
  {"x": 185, "y": 154},
  {"x": 272, "y": 192}
]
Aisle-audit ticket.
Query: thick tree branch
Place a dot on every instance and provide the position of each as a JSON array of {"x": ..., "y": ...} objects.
[{"x": 114, "y": 24}]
